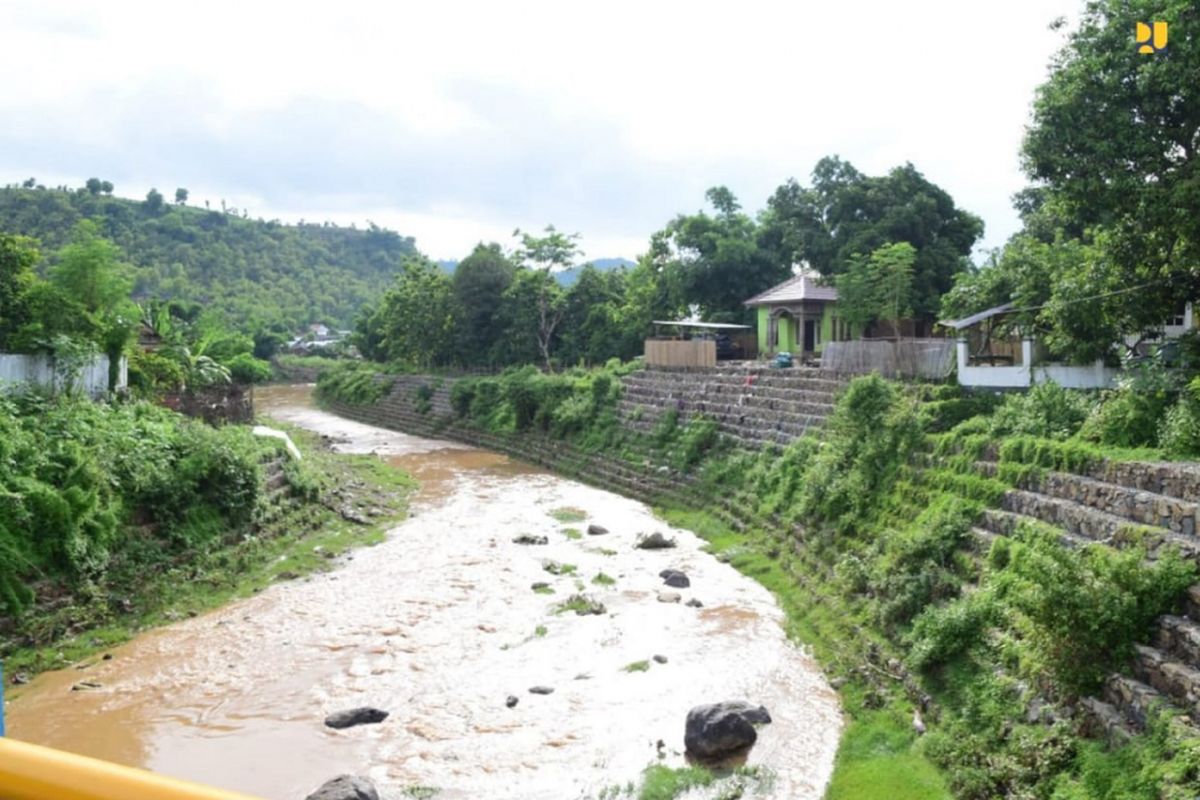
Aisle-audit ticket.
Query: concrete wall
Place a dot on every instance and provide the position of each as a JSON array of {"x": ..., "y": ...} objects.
[
  {"x": 38, "y": 370},
  {"x": 1022, "y": 376}
]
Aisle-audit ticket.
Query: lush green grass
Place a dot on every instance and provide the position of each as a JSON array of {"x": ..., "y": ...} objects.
[
  {"x": 604, "y": 580},
  {"x": 879, "y": 759},
  {"x": 574, "y": 534},
  {"x": 637, "y": 666},
  {"x": 664, "y": 783}
]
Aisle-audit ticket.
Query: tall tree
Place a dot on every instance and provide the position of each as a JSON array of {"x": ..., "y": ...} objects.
[
  {"x": 845, "y": 214},
  {"x": 878, "y": 286},
  {"x": 716, "y": 261},
  {"x": 544, "y": 255},
  {"x": 154, "y": 201},
  {"x": 1115, "y": 139},
  {"x": 17, "y": 257},
  {"x": 93, "y": 185},
  {"x": 181, "y": 196},
  {"x": 480, "y": 280},
  {"x": 417, "y": 316}
]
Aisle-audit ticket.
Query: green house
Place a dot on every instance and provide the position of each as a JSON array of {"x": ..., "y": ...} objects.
[{"x": 799, "y": 316}]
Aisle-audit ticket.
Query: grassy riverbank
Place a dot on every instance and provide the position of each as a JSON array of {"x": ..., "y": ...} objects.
[
  {"x": 190, "y": 522},
  {"x": 864, "y": 532}
]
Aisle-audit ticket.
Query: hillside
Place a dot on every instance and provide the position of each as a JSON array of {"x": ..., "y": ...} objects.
[{"x": 255, "y": 271}]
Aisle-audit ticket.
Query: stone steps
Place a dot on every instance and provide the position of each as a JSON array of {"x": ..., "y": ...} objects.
[
  {"x": 1179, "y": 637},
  {"x": 1135, "y": 700},
  {"x": 1170, "y": 677},
  {"x": 1074, "y": 517}
]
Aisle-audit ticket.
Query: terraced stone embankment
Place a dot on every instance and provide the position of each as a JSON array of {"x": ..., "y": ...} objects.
[
  {"x": 753, "y": 405},
  {"x": 1119, "y": 504}
]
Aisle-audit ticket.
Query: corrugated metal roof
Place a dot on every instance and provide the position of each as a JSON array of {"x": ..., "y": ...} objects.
[
  {"x": 716, "y": 326},
  {"x": 966, "y": 322},
  {"x": 805, "y": 285}
]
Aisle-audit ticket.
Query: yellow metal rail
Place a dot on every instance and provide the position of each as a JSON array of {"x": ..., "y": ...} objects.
[{"x": 32, "y": 772}]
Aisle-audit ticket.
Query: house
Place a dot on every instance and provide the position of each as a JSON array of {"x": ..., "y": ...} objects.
[
  {"x": 799, "y": 316},
  {"x": 993, "y": 354}
]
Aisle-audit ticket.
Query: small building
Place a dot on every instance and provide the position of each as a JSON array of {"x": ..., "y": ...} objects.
[{"x": 799, "y": 316}]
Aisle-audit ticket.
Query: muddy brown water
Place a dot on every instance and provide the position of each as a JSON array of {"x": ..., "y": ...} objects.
[{"x": 437, "y": 626}]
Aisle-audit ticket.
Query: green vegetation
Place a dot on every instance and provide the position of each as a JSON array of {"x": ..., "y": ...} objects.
[
  {"x": 581, "y": 604},
  {"x": 637, "y": 666},
  {"x": 569, "y": 514},
  {"x": 544, "y": 590},
  {"x": 261, "y": 277},
  {"x": 539, "y": 631},
  {"x": 574, "y": 534},
  {"x": 556, "y": 568},
  {"x": 154, "y": 516},
  {"x": 604, "y": 580}
]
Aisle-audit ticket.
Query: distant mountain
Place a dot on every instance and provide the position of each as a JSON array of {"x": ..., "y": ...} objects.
[
  {"x": 568, "y": 276},
  {"x": 254, "y": 271}
]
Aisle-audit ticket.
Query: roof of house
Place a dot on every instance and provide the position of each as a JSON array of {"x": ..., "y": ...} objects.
[
  {"x": 966, "y": 322},
  {"x": 805, "y": 285}
]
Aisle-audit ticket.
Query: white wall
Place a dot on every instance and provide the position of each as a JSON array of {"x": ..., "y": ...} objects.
[
  {"x": 17, "y": 370},
  {"x": 1022, "y": 376}
]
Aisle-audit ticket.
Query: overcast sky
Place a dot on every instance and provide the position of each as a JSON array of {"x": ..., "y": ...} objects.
[{"x": 454, "y": 122}]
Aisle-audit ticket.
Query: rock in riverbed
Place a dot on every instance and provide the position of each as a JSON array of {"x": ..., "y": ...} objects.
[
  {"x": 346, "y": 787},
  {"x": 668, "y": 597},
  {"x": 541, "y": 690},
  {"x": 719, "y": 729},
  {"x": 596, "y": 530},
  {"x": 355, "y": 716},
  {"x": 653, "y": 541},
  {"x": 694, "y": 603},
  {"x": 529, "y": 538},
  {"x": 675, "y": 578},
  {"x": 511, "y": 701}
]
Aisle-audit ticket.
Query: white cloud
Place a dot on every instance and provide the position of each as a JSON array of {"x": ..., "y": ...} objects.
[{"x": 457, "y": 121}]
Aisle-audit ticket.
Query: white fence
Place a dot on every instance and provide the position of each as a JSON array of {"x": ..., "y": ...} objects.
[
  {"x": 932, "y": 359},
  {"x": 39, "y": 370}
]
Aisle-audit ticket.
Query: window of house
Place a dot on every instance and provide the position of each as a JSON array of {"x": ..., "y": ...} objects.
[{"x": 1179, "y": 318}]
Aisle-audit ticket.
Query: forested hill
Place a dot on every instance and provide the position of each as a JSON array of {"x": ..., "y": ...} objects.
[{"x": 257, "y": 272}]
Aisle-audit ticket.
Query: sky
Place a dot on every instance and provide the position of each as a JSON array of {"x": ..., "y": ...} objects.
[{"x": 457, "y": 122}]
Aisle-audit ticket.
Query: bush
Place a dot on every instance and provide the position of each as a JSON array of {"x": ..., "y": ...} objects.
[
  {"x": 245, "y": 368},
  {"x": 1130, "y": 415},
  {"x": 1047, "y": 410},
  {"x": 462, "y": 394},
  {"x": 356, "y": 383},
  {"x": 1179, "y": 434}
]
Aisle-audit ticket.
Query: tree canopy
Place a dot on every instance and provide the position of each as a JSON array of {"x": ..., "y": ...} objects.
[{"x": 845, "y": 214}]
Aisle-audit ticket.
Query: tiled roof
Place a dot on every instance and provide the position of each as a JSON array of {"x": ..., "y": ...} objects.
[{"x": 806, "y": 285}]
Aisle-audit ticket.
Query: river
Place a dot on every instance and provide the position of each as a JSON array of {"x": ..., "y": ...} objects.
[{"x": 439, "y": 625}]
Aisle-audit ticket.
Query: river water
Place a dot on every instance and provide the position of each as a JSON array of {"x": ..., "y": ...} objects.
[{"x": 438, "y": 625}]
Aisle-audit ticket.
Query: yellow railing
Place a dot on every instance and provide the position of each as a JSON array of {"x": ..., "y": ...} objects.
[{"x": 32, "y": 772}]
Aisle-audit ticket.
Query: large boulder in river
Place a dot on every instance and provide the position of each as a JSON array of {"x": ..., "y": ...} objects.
[
  {"x": 596, "y": 530},
  {"x": 675, "y": 578},
  {"x": 719, "y": 729},
  {"x": 346, "y": 787},
  {"x": 356, "y": 716},
  {"x": 653, "y": 541}
]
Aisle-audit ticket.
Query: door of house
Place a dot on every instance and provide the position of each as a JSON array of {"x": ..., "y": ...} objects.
[{"x": 810, "y": 335}]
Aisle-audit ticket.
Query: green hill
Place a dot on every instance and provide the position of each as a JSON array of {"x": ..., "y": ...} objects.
[{"x": 255, "y": 271}]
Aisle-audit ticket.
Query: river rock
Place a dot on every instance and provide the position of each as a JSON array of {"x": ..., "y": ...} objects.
[
  {"x": 511, "y": 701},
  {"x": 529, "y": 538},
  {"x": 668, "y": 597},
  {"x": 596, "y": 530},
  {"x": 539, "y": 585},
  {"x": 541, "y": 690},
  {"x": 346, "y": 787},
  {"x": 356, "y": 716},
  {"x": 660, "y": 659},
  {"x": 719, "y": 729},
  {"x": 694, "y": 603},
  {"x": 83, "y": 686},
  {"x": 653, "y": 541},
  {"x": 675, "y": 578}
]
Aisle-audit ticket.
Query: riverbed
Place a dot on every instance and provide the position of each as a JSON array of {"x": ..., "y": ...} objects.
[{"x": 439, "y": 625}]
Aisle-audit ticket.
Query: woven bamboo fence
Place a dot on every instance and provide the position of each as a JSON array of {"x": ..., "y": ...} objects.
[{"x": 932, "y": 359}]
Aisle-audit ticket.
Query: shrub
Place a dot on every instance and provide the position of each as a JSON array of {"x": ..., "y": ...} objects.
[
  {"x": 1046, "y": 410},
  {"x": 245, "y": 368},
  {"x": 356, "y": 383},
  {"x": 1179, "y": 434},
  {"x": 1129, "y": 415},
  {"x": 697, "y": 438},
  {"x": 462, "y": 393}
]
